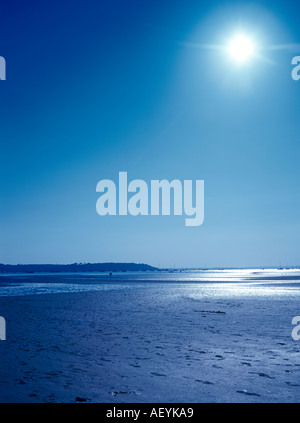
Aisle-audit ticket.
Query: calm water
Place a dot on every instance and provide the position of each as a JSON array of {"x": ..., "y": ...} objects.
[{"x": 232, "y": 282}]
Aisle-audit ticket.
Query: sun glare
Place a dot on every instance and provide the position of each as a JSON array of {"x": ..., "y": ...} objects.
[{"x": 241, "y": 48}]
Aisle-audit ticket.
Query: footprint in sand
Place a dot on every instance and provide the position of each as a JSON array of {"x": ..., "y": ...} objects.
[
  {"x": 292, "y": 384},
  {"x": 114, "y": 393},
  {"x": 262, "y": 375},
  {"x": 158, "y": 374},
  {"x": 206, "y": 382},
  {"x": 245, "y": 392}
]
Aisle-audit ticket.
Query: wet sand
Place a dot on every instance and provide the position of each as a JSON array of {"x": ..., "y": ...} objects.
[{"x": 155, "y": 344}]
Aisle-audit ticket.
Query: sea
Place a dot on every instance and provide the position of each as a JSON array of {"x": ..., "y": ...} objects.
[{"x": 202, "y": 282}]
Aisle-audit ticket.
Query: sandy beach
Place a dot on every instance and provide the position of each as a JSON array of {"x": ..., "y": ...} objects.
[{"x": 158, "y": 343}]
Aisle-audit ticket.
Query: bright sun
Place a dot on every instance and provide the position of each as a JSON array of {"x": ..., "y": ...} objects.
[{"x": 241, "y": 48}]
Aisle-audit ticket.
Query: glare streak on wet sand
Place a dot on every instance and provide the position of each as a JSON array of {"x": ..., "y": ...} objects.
[{"x": 184, "y": 341}]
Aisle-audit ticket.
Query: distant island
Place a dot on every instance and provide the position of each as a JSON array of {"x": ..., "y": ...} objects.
[{"x": 76, "y": 267}]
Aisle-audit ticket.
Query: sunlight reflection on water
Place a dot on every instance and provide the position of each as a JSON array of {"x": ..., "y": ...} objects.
[{"x": 194, "y": 284}]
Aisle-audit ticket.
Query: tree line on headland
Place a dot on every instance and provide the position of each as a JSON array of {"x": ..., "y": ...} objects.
[{"x": 75, "y": 267}]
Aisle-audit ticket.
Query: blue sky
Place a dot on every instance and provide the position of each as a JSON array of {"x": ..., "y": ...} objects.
[{"x": 94, "y": 88}]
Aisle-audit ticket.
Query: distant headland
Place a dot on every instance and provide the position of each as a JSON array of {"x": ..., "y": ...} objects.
[{"x": 76, "y": 267}]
